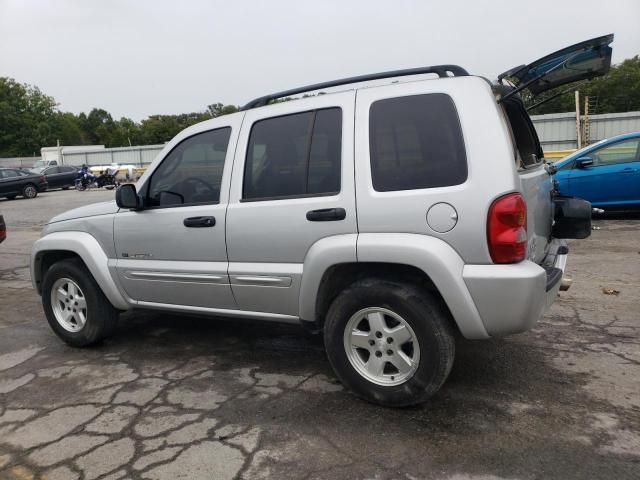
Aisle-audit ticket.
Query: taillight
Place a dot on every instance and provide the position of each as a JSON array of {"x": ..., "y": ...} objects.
[
  {"x": 507, "y": 229},
  {"x": 43, "y": 179}
]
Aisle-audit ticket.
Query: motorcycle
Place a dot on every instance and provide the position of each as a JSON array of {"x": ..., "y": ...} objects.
[
  {"x": 85, "y": 180},
  {"x": 108, "y": 181}
]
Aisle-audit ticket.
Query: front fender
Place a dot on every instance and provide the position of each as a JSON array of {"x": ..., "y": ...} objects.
[
  {"x": 89, "y": 250},
  {"x": 438, "y": 260}
]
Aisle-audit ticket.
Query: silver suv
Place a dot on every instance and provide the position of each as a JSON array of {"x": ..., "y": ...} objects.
[{"x": 390, "y": 216}]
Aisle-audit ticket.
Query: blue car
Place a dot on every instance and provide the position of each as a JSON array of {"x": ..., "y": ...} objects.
[{"x": 606, "y": 173}]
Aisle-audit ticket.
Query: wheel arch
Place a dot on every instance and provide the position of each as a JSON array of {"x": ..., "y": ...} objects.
[
  {"x": 59, "y": 246},
  {"x": 427, "y": 261}
]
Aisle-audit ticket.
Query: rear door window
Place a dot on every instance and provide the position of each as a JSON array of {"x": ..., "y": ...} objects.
[
  {"x": 416, "y": 142},
  {"x": 294, "y": 155}
]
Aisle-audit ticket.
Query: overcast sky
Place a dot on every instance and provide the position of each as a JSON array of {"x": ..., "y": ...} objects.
[{"x": 140, "y": 57}]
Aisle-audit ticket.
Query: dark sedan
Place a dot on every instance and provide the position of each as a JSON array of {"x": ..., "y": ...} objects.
[
  {"x": 14, "y": 182},
  {"x": 60, "y": 177}
]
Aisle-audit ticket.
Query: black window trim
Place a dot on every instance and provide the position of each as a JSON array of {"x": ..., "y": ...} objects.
[
  {"x": 144, "y": 190},
  {"x": 462, "y": 134},
  {"x": 309, "y": 144}
]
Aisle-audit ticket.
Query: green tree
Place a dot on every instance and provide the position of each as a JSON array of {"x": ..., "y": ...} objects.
[
  {"x": 25, "y": 118},
  {"x": 98, "y": 127},
  {"x": 125, "y": 132},
  {"x": 218, "y": 109},
  {"x": 67, "y": 128}
]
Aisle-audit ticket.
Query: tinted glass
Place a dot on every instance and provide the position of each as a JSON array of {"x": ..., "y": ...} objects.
[
  {"x": 416, "y": 142},
  {"x": 294, "y": 155},
  {"x": 325, "y": 154},
  {"x": 621, "y": 152},
  {"x": 192, "y": 172}
]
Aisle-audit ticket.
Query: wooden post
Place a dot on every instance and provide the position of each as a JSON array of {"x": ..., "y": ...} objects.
[
  {"x": 585, "y": 123},
  {"x": 578, "y": 136}
]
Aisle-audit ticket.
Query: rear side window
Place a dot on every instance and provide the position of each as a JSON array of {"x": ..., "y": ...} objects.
[
  {"x": 294, "y": 155},
  {"x": 416, "y": 142}
]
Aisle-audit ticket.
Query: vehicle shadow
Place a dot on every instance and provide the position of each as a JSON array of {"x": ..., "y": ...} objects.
[{"x": 503, "y": 369}]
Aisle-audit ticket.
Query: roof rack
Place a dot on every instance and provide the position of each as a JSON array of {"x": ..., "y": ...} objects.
[{"x": 441, "y": 70}]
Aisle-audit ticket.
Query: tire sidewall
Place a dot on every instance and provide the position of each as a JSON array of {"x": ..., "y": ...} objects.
[
  {"x": 422, "y": 311},
  {"x": 94, "y": 327},
  {"x": 25, "y": 189}
]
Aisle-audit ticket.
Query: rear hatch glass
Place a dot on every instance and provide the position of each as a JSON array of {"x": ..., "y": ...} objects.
[{"x": 582, "y": 61}]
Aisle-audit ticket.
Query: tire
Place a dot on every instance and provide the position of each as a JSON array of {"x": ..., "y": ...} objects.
[
  {"x": 396, "y": 305},
  {"x": 100, "y": 318},
  {"x": 30, "y": 191}
]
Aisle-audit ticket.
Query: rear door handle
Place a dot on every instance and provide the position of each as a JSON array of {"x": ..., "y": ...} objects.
[
  {"x": 326, "y": 215},
  {"x": 199, "y": 222},
  {"x": 628, "y": 170}
]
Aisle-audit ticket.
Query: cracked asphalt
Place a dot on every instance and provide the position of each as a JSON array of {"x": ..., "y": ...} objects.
[{"x": 177, "y": 397}]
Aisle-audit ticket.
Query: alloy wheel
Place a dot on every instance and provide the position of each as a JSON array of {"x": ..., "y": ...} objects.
[{"x": 381, "y": 346}]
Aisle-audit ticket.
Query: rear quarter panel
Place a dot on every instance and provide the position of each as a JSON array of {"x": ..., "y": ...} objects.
[{"x": 490, "y": 159}]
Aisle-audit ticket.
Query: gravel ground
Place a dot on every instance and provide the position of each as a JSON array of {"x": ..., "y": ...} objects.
[{"x": 172, "y": 397}]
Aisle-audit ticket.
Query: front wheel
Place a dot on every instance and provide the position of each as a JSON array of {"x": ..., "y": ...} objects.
[
  {"x": 75, "y": 307},
  {"x": 391, "y": 343},
  {"x": 29, "y": 191}
]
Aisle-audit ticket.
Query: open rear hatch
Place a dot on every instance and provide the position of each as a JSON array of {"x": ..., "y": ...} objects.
[{"x": 582, "y": 61}]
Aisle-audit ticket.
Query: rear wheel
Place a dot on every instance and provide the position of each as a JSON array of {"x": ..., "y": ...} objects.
[
  {"x": 30, "y": 191},
  {"x": 75, "y": 307},
  {"x": 391, "y": 343}
]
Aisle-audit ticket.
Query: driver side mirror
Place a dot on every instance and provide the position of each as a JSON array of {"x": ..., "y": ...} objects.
[
  {"x": 583, "y": 162},
  {"x": 127, "y": 197}
]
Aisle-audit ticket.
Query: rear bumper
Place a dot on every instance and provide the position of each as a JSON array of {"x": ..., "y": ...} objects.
[
  {"x": 43, "y": 186},
  {"x": 511, "y": 298}
]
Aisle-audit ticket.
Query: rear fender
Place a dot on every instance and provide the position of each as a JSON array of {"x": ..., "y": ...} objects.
[{"x": 438, "y": 260}]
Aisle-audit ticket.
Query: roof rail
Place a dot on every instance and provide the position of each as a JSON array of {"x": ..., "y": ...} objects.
[{"x": 441, "y": 70}]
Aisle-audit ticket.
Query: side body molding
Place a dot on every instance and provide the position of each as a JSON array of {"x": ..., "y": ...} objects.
[
  {"x": 322, "y": 255},
  {"x": 438, "y": 260},
  {"x": 88, "y": 248}
]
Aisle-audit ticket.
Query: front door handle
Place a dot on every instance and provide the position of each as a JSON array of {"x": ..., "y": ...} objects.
[
  {"x": 199, "y": 222},
  {"x": 326, "y": 215},
  {"x": 628, "y": 170}
]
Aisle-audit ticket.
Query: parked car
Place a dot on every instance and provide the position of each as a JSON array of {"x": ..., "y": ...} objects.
[
  {"x": 606, "y": 173},
  {"x": 388, "y": 218},
  {"x": 14, "y": 182},
  {"x": 41, "y": 165},
  {"x": 60, "y": 177},
  {"x": 3, "y": 229}
]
